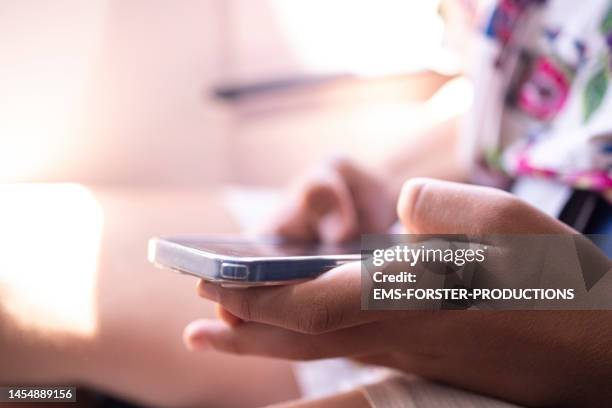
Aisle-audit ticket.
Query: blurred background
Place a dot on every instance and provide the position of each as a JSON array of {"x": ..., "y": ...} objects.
[
  {"x": 125, "y": 119},
  {"x": 199, "y": 93}
]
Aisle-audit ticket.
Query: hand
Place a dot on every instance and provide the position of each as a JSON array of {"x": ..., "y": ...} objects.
[
  {"x": 536, "y": 358},
  {"x": 335, "y": 202}
]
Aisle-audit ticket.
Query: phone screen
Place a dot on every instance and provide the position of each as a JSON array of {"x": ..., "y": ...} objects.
[{"x": 268, "y": 248}]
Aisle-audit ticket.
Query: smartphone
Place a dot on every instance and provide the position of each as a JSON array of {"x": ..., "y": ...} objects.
[{"x": 232, "y": 260}]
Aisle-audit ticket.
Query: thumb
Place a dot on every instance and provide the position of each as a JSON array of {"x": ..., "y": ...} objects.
[{"x": 428, "y": 206}]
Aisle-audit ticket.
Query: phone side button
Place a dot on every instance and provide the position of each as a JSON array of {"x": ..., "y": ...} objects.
[{"x": 234, "y": 271}]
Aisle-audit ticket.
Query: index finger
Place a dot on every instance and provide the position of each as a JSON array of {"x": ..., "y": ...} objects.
[
  {"x": 320, "y": 209},
  {"x": 331, "y": 301}
]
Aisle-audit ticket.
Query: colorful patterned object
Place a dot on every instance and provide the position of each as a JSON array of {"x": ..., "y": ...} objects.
[
  {"x": 545, "y": 93},
  {"x": 504, "y": 19},
  {"x": 594, "y": 92},
  {"x": 545, "y": 107}
]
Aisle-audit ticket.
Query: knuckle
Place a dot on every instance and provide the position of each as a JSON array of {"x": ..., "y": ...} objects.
[
  {"x": 318, "y": 319},
  {"x": 508, "y": 207},
  {"x": 245, "y": 308},
  {"x": 505, "y": 212},
  {"x": 237, "y": 303},
  {"x": 515, "y": 206}
]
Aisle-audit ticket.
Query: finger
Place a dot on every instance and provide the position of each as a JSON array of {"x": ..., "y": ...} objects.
[
  {"x": 226, "y": 316},
  {"x": 269, "y": 341},
  {"x": 329, "y": 302},
  {"x": 333, "y": 209},
  {"x": 429, "y": 206},
  {"x": 322, "y": 209}
]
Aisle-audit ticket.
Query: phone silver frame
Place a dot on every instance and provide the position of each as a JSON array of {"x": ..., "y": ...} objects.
[{"x": 244, "y": 271}]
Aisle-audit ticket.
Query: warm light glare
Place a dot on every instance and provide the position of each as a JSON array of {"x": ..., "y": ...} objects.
[
  {"x": 47, "y": 57},
  {"x": 49, "y": 243},
  {"x": 362, "y": 37},
  {"x": 454, "y": 98},
  {"x": 32, "y": 130}
]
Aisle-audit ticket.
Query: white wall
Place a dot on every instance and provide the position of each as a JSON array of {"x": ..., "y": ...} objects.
[
  {"x": 118, "y": 92},
  {"x": 111, "y": 91}
]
